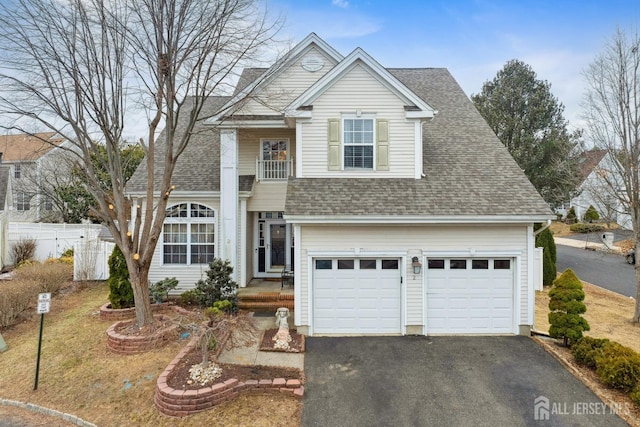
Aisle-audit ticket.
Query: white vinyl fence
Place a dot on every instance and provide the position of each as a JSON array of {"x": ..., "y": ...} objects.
[
  {"x": 91, "y": 254},
  {"x": 91, "y": 259}
]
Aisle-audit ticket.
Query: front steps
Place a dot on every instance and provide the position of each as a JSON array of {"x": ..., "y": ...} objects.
[{"x": 265, "y": 301}]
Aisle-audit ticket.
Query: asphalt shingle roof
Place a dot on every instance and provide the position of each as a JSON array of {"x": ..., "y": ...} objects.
[
  {"x": 198, "y": 168},
  {"x": 467, "y": 169}
]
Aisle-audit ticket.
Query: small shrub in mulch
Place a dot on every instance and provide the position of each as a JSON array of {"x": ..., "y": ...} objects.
[
  {"x": 295, "y": 346},
  {"x": 180, "y": 374}
]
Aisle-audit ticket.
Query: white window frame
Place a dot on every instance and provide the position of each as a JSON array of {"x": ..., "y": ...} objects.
[
  {"x": 372, "y": 118},
  {"x": 17, "y": 171},
  {"x": 23, "y": 201},
  {"x": 190, "y": 222}
]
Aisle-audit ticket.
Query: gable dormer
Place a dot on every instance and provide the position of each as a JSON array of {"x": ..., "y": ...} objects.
[
  {"x": 358, "y": 120},
  {"x": 274, "y": 89}
]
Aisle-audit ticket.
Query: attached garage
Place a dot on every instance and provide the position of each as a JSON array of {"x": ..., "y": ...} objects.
[
  {"x": 357, "y": 296},
  {"x": 470, "y": 296}
]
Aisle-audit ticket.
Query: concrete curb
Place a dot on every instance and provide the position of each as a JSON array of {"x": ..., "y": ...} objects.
[{"x": 46, "y": 411}]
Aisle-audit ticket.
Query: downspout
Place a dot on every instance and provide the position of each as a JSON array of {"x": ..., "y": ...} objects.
[{"x": 535, "y": 233}]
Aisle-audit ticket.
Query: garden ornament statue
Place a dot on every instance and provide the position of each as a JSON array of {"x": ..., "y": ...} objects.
[
  {"x": 3, "y": 345},
  {"x": 282, "y": 338}
]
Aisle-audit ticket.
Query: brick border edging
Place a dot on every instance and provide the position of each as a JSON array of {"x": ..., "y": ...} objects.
[
  {"x": 179, "y": 403},
  {"x": 131, "y": 344},
  {"x": 46, "y": 411},
  {"x": 113, "y": 314}
]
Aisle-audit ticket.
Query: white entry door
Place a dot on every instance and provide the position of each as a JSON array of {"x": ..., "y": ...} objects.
[
  {"x": 357, "y": 296},
  {"x": 470, "y": 296}
]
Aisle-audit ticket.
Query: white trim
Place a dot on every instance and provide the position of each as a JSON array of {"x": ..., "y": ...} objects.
[
  {"x": 514, "y": 255},
  {"x": 291, "y": 56},
  {"x": 417, "y": 155},
  {"x": 177, "y": 194},
  {"x": 378, "y": 71},
  {"x": 343, "y": 144},
  {"x": 189, "y": 221},
  {"x": 530, "y": 262},
  {"x": 412, "y": 219},
  {"x": 298, "y": 157},
  {"x": 242, "y": 282},
  {"x": 270, "y": 124},
  {"x": 297, "y": 312},
  {"x": 229, "y": 197}
]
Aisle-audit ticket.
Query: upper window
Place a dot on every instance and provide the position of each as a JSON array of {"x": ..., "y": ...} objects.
[
  {"x": 358, "y": 143},
  {"x": 23, "y": 201},
  {"x": 189, "y": 234},
  {"x": 16, "y": 170}
]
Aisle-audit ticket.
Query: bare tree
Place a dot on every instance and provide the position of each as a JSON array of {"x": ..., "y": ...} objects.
[
  {"x": 73, "y": 65},
  {"x": 612, "y": 113}
]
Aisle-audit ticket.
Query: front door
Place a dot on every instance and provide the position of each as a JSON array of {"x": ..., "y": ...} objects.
[{"x": 276, "y": 246}]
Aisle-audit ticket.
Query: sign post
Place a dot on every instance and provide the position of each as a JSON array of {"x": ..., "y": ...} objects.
[{"x": 44, "y": 303}]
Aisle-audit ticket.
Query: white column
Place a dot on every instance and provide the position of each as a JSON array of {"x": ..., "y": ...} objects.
[
  {"x": 229, "y": 197},
  {"x": 242, "y": 281}
]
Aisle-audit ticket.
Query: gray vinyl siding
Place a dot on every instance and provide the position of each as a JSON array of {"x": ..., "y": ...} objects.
[{"x": 414, "y": 240}]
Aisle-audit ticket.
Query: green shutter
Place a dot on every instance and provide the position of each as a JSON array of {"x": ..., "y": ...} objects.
[
  {"x": 334, "y": 148},
  {"x": 382, "y": 145}
]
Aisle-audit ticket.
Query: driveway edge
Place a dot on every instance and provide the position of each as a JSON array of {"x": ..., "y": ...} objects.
[{"x": 594, "y": 386}]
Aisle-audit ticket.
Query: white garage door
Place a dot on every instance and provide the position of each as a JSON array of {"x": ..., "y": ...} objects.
[
  {"x": 356, "y": 296},
  {"x": 470, "y": 296}
]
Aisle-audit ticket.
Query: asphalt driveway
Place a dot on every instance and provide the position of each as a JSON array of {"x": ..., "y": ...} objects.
[{"x": 443, "y": 381}]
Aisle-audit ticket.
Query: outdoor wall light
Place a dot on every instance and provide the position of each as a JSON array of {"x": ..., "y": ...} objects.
[{"x": 417, "y": 267}]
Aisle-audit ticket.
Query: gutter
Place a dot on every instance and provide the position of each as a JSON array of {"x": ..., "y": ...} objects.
[{"x": 535, "y": 233}]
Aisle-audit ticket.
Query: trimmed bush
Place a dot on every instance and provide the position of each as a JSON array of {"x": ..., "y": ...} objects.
[
  {"x": 585, "y": 228},
  {"x": 586, "y": 349},
  {"x": 618, "y": 366},
  {"x": 591, "y": 214},
  {"x": 160, "y": 290},
  {"x": 120, "y": 290},
  {"x": 545, "y": 240},
  {"x": 190, "y": 298},
  {"x": 218, "y": 285},
  {"x": 565, "y": 303},
  {"x": 571, "y": 216},
  {"x": 635, "y": 396}
]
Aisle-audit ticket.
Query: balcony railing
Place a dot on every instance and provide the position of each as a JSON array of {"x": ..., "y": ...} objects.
[{"x": 273, "y": 170}]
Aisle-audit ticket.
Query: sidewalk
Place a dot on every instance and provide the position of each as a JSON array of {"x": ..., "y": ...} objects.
[
  {"x": 251, "y": 355},
  {"x": 596, "y": 246}
]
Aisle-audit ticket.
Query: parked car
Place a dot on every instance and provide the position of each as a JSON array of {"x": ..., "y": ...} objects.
[{"x": 630, "y": 256}]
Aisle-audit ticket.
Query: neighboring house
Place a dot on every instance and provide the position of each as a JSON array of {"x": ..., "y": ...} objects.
[
  {"x": 31, "y": 159},
  {"x": 597, "y": 175},
  {"x": 357, "y": 176}
]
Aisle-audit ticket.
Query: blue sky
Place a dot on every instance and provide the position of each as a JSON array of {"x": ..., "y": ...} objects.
[{"x": 473, "y": 39}]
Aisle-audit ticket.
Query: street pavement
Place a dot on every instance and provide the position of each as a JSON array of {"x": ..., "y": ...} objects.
[{"x": 602, "y": 268}]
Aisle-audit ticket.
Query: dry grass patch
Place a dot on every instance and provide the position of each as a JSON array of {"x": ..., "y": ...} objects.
[
  {"x": 560, "y": 229},
  {"x": 80, "y": 376},
  {"x": 608, "y": 313}
]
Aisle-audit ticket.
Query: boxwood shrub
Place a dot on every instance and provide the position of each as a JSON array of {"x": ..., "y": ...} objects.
[
  {"x": 585, "y": 228},
  {"x": 618, "y": 366},
  {"x": 586, "y": 349}
]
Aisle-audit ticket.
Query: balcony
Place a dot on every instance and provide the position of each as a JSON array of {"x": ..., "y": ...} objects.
[{"x": 273, "y": 170}]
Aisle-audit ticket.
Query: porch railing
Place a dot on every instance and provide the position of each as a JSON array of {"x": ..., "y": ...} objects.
[{"x": 273, "y": 170}]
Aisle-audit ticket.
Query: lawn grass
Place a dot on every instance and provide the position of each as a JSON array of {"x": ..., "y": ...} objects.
[
  {"x": 608, "y": 313},
  {"x": 78, "y": 375}
]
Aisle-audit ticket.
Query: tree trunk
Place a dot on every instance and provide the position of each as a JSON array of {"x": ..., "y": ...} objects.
[
  {"x": 140, "y": 285},
  {"x": 636, "y": 312}
]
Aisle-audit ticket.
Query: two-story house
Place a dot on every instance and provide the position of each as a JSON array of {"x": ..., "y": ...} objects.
[
  {"x": 396, "y": 205},
  {"x": 30, "y": 160}
]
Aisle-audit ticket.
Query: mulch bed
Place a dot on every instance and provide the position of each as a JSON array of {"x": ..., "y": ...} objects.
[
  {"x": 180, "y": 374},
  {"x": 295, "y": 346}
]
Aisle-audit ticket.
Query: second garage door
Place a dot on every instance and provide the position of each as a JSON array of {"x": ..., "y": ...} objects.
[
  {"x": 470, "y": 296},
  {"x": 356, "y": 296}
]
